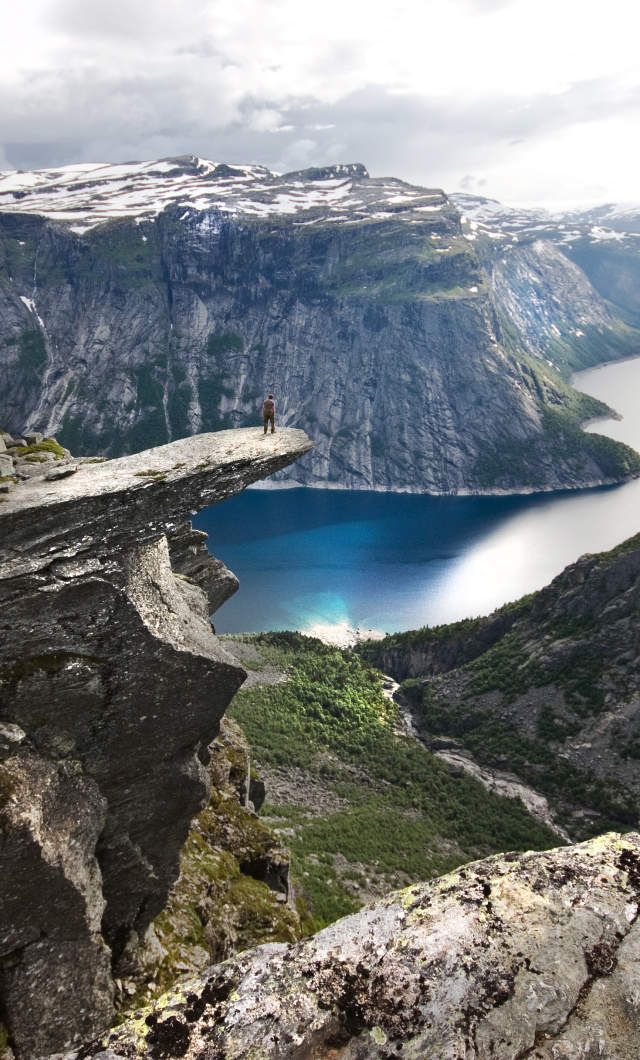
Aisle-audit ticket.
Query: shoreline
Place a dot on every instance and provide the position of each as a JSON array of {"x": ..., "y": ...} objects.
[{"x": 524, "y": 491}]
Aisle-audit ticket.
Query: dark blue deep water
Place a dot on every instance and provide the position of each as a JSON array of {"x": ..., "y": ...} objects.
[{"x": 327, "y": 561}]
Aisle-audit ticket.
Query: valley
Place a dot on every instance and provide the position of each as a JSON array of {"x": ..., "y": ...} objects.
[{"x": 170, "y": 798}]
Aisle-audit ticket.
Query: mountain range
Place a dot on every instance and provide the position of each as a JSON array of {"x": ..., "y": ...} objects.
[{"x": 425, "y": 342}]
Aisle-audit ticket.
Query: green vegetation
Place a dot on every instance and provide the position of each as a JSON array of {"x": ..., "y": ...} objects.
[
  {"x": 211, "y": 391},
  {"x": 498, "y": 743},
  {"x": 180, "y": 396},
  {"x": 78, "y": 435},
  {"x": 225, "y": 342},
  {"x": 151, "y": 473},
  {"x": 615, "y": 459},
  {"x": 462, "y": 640},
  {"x": 513, "y": 463},
  {"x": 33, "y": 355},
  {"x": 386, "y": 261},
  {"x": 215, "y": 907},
  {"x": 605, "y": 559},
  {"x": 118, "y": 248},
  {"x": 376, "y": 810},
  {"x": 372, "y": 650},
  {"x": 47, "y": 445},
  {"x": 151, "y": 427}
]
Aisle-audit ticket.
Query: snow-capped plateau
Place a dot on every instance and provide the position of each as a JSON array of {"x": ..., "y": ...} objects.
[
  {"x": 510, "y": 224},
  {"x": 87, "y": 195}
]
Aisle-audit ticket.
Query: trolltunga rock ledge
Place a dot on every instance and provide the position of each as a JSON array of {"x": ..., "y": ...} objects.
[
  {"x": 110, "y": 503},
  {"x": 112, "y": 686},
  {"x": 530, "y": 955}
]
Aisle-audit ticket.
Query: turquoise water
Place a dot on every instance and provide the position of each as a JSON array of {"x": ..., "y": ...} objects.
[{"x": 327, "y": 561}]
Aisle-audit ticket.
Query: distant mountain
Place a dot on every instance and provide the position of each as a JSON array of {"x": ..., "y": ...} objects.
[
  {"x": 602, "y": 242},
  {"x": 546, "y": 688},
  {"x": 85, "y": 196},
  {"x": 145, "y": 301}
]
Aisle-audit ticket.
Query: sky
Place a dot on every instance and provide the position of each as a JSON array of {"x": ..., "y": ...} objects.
[{"x": 527, "y": 101}]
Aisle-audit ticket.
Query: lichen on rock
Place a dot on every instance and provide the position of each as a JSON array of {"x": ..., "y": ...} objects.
[{"x": 532, "y": 955}]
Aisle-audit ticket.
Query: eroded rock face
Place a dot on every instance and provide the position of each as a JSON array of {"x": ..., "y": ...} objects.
[
  {"x": 532, "y": 955},
  {"x": 360, "y": 301},
  {"x": 112, "y": 686}
]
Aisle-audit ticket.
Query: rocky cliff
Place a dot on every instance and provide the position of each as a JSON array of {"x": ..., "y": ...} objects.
[
  {"x": 547, "y": 688},
  {"x": 112, "y": 686},
  {"x": 145, "y": 303},
  {"x": 533, "y": 955},
  {"x": 565, "y": 284}
]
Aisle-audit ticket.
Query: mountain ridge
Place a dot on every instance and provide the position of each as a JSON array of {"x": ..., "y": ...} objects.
[
  {"x": 546, "y": 687},
  {"x": 383, "y": 326}
]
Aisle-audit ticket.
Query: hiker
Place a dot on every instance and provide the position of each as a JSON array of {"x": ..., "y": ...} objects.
[{"x": 269, "y": 414}]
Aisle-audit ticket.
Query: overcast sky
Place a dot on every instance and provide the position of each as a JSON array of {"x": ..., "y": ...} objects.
[{"x": 521, "y": 100}]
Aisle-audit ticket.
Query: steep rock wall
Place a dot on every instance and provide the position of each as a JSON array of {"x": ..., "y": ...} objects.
[
  {"x": 112, "y": 686},
  {"x": 377, "y": 332}
]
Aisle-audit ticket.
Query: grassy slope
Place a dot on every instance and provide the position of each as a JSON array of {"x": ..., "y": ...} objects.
[{"x": 388, "y": 812}]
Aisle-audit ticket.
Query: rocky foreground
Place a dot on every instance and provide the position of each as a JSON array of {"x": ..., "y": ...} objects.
[
  {"x": 112, "y": 686},
  {"x": 533, "y": 955}
]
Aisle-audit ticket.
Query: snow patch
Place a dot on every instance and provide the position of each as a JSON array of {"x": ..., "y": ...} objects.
[{"x": 31, "y": 306}]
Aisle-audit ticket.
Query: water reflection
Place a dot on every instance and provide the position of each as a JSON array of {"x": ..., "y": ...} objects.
[
  {"x": 315, "y": 559},
  {"x": 530, "y": 548}
]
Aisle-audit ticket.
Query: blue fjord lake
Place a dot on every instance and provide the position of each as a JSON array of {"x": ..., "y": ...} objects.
[{"x": 331, "y": 561}]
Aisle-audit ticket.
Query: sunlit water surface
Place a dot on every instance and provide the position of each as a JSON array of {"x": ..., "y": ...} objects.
[{"x": 329, "y": 561}]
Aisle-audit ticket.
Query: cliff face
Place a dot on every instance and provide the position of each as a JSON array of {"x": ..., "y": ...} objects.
[
  {"x": 112, "y": 686},
  {"x": 511, "y": 957},
  {"x": 546, "y": 688},
  {"x": 566, "y": 284},
  {"x": 360, "y": 302}
]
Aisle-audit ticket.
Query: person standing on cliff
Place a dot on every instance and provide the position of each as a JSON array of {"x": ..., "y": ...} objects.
[{"x": 269, "y": 414}]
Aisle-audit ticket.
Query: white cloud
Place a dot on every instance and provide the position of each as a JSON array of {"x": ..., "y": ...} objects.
[{"x": 526, "y": 95}]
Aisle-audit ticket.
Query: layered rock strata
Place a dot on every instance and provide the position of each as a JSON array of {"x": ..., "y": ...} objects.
[
  {"x": 532, "y": 955},
  {"x": 112, "y": 686}
]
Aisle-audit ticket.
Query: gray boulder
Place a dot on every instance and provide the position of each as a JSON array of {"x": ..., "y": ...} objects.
[{"x": 531, "y": 955}]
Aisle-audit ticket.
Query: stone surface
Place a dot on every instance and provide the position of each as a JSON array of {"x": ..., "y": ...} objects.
[
  {"x": 109, "y": 667},
  {"x": 57, "y": 473},
  {"x": 232, "y": 891},
  {"x": 532, "y": 955},
  {"x": 190, "y": 557}
]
